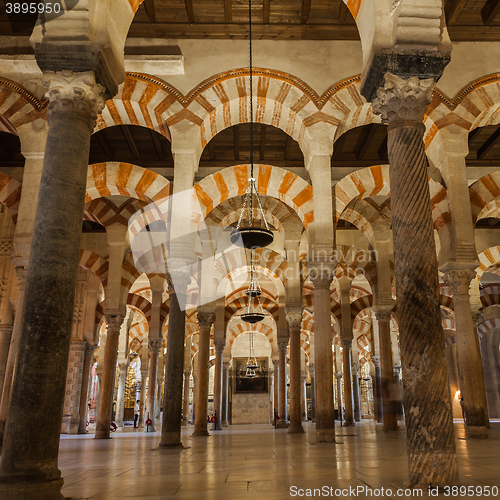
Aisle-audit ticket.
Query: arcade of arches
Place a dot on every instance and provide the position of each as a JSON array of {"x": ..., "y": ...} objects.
[{"x": 125, "y": 144}]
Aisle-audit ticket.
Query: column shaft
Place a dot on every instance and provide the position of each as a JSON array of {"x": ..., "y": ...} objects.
[
  {"x": 313, "y": 397},
  {"x": 276, "y": 386},
  {"x": 120, "y": 395},
  {"x": 185, "y": 406},
  {"x": 295, "y": 392},
  {"x": 356, "y": 396},
  {"x": 154, "y": 351},
  {"x": 282, "y": 345},
  {"x": 225, "y": 396},
  {"x": 348, "y": 397},
  {"x": 377, "y": 390},
  {"x": 219, "y": 349},
  {"x": 84, "y": 395}
]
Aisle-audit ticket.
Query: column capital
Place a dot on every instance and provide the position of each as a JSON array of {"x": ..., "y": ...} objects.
[
  {"x": 338, "y": 376},
  {"x": 220, "y": 344},
  {"x": 205, "y": 318},
  {"x": 276, "y": 363},
  {"x": 403, "y": 101},
  {"x": 154, "y": 345},
  {"x": 459, "y": 280},
  {"x": 321, "y": 279},
  {"x": 90, "y": 348},
  {"x": 282, "y": 345},
  {"x": 21, "y": 274},
  {"x": 382, "y": 314},
  {"x": 114, "y": 321},
  {"x": 376, "y": 361},
  {"x": 225, "y": 365},
  {"x": 346, "y": 343},
  {"x": 294, "y": 317},
  {"x": 70, "y": 92}
]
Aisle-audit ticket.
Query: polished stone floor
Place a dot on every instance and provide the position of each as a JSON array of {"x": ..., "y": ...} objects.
[{"x": 256, "y": 462}]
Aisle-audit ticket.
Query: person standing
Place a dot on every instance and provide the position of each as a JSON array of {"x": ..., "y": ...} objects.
[{"x": 137, "y": 411}]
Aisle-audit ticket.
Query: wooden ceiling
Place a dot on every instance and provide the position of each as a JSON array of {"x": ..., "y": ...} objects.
[{"x": 467, "y": 20}]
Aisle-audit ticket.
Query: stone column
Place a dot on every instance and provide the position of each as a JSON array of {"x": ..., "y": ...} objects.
[
  {"x": 29, "y": 458},
  {"x": 159, "y": 381},
  {"x": 84, "y": 395},
  {"x": 431, "y": 457},
  {"x": 377, "y": 390},
  {"x": 6, "y": 309},
  {"x": 282, "y": 347},
  {"x": 120, "y": 394},
  {"x": 13, "y": 348},
  {"x": 205, "y": 320},
  {"x": 219, "y": 350},
  {"x": 469, "y": 356},
  {"x": 340, "y": 405},
  {"x": 348, "y": 397},
  {"x": 225, "y": 394},
  {"x": 71, "y": 414},
  {"x": 356, "y": 393},
  {"x": 107, "y": 386},
  {"x": 276, "y": 387},
  {"x": 193, "y": 414},
  {"x": 294, "y": 319},
  {"x": 313, "y": 395},
  {"x": 325, "y": 416},
  {"x": 389, "y": 410},
  {"x": 174, "y": 365},
  {"x": 303, "y": 396},
  {"x": 185, "y": 407},
  {"x": 154, "y": 350},
  {"x": 142, "y": 396}
]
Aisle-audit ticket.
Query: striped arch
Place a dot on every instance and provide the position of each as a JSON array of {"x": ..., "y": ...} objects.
[
  {"x": 18, "y": 106},
  {"x": 241, "y": 292},
  {"x": 448, "y": 324},
  {"x": 360, "y": 327},
  {"x": 490, "y": 295},
  {"x": 360, "y": 305},
  {"x": 446, "y": 302},
  {"x": 267, "y": 304},
  {"x": 272, "y": 181},
  {"x": 139, "y": 330},
  {"x": 483, "y": 196},
  {"x": 241, "y": 328},
  {"x": 115, "y": 178},
  {"x": 363, "y": 343},
  {"x": 141, "y": 304},
  {"x": 104, "y": 212},
  {"x": 10, "y": 194},
  {"x": 486, "y": 326},
  {"x": 140, "y": 101},
  {"x": 129, "y": 276},
  {"x": 95, "y": 264},
  {"x": 489, "y": 261}
]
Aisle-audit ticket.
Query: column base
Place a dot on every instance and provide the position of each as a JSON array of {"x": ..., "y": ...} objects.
[
  {"x": 171, "y": 446},
  {"x": 21, "y": 488},
  {"x": 325, "y": 435},
  {"x": 149, "y": 428},
  {"x": 391, "y": 427},
  {"x": 282, "y": 425},
  {"x": 225, "y": 424},
  {"x": 295, "y": 429},
  {"x": 200, "y": 433},
  {"x": 170, "y": 440},
  {"x": 349, "y": 424},
  {"x": 102, "y": 434},
  {"x": 476, "y": 431}
]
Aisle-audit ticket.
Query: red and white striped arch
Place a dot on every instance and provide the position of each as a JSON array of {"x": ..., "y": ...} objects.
[
  {"x": 237, "y": 305},
  {"x": 141, "y": 304},
  {"x": 486, "y": 326},
  {"x": 104, "y": 212},
  {"x": 489, "y": 261},
  {"x": 242, "y": 328},
  {"x": 95, "y": 264},
  {"x": 490, "y": 295},
  {"x": 483, "y": 193}
]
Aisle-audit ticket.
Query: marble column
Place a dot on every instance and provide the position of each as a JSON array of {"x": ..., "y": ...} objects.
[
  {"x": 303, "y": 396},
  {"x": 348, "y": 396},
  {"x": 325, "y": 416},
  {"x": 294, "y": 319},
  {"x": 282, "y": 347},
  {"x": 356, "y": 393},
  {"x": 159, "y": 388},
  {"x": 142, "y": 396},
  {"x": 6, "y": 308},
  {"x": 120, "y": 394},
  {"x": 491, "y": 368},
  {"x": 107, "y": 386},
  {"x": 431, "y": 458},
  {"x": 205, "y": 320},
  {"x": 84, "y": 395},
  {"x": 276, "y": 387},
  {"x": 185, "y": 406},
  {"x": 470, "y": 366},
  {"x": 154, "y": 351},
  {"x": 219, "y": 350},
  {"x": 313, "y": 395},
  {"x": 21, "y": 273},
  {"x": 174, "y": 365},
  {"x": 340, "y": 405},
  {"x": 193, "y": 413},
  {"x": 389, "y": 410},
  {"x": 225, "y": 394},
  {"x": 29, "y": 457},
  {"x": 71, "y": 413},
  {"x": 377, "y": 390}
]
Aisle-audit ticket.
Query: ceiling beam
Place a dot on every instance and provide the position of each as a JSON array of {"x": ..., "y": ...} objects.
[
  {"x": 104, "y": 146},
  {"x": 453, "y": 9},
  {"x": 157, "y": 144},
  {"x": 211, "y": 152},
  {"x": 130, "y": 142},
  {"x": 266, "y": 11},
  {"x": 382, "y": 150},
  {"x": 490, "y": 11},
  {"x": 488, "y": 144},
  {"x": 228, "y": 11},
  {"x": 236, "y": 133},
  {"x": 149, "y": 5},
  {"x": 262, "y": 142},
  {"x": 343, "y": 10},
  {"x": 306, "y": 9},
  {"x": 190, "y": 10}
]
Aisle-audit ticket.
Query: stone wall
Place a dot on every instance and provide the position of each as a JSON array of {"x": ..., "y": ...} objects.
[{"x": 250, "y": 408}]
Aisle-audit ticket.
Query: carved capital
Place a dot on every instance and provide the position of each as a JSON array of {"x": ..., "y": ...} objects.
[
  {"x": 403, "y": 100},
  {"x": 114, "y": 321},
  {"x": 154, "y": 345},
  {"x": 383, "y": 315},
  {"x": 282, "y": 346},
  {"x": 90, "y": 348},
  {"x": 205, "y": 318},
  {"x": 294, "y": 318},
  {"x": 225, "y": 365},
  {"x": 338, "y": 376},
  {"x": 321, "y": 279},
  {"x": 346, "y": 343},
  {"x": 21, "y": 274},
  {"x": 376, "y": 361},
  {"x": 459, "y": 280},
  {"x": 70, "y": 92},
  {"x": 276, "y": 363},
  {"x": 220, "y": 344}
]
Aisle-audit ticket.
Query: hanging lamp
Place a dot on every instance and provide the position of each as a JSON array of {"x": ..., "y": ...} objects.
[
  {"x": 251, "y": 361},
  {"x": 254, "y": 312},
  {"x": 248, "y": 233}
]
